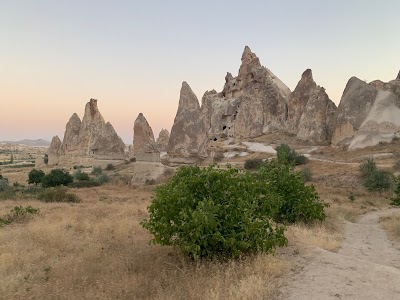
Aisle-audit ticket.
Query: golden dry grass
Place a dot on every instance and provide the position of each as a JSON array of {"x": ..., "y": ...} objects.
[
  {"x": 392, "y": 225},
  {"x": 97, "y": 249}
]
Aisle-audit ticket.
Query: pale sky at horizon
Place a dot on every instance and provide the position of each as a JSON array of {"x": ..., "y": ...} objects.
[{"x": 133, "y": 55}]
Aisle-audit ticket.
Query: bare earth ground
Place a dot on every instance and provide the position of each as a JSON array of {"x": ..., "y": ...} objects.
[{"x": 367, "y": 266}]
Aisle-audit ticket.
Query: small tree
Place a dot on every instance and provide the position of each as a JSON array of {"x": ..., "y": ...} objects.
[
  {"x": 57, "y": 177},
  {"x": 35, "y": 176},
  {"x": 367, "y": 167}
]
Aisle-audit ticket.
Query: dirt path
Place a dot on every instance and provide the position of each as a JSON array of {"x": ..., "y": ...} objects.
[{"x": 366, "y": 267}]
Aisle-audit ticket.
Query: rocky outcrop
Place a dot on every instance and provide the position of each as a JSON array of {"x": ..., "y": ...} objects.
[
  {"x": 144, "y": 145},
  {"x": 251, "y": 104},
  {"x": 54, "y": 151},
  {"x": 311, "y": 114},
  {"x": 188, "y": 134},
  {"x": 163, "y": 140},
  {"x": 368, "y": 114},
  {"x": 91, "y": 137},
  {"x": 355, "y": 105},
  {"x": 71, "y": 136}
]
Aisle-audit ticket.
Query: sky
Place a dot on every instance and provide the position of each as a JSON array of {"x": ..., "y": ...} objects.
[{"x": 134, "y": 55}]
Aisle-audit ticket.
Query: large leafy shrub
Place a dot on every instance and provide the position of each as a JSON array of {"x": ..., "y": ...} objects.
[
  {"x": 81, "y": 176},
  {"x": 213, "y": 212},
  {"x": 35, "y": 176},
  {"x": 300, "y": 203},
  {"x": 57, "y": 177}
]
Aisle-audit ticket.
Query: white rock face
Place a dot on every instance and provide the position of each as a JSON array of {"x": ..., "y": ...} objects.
[{"x": 381, "y": 124}]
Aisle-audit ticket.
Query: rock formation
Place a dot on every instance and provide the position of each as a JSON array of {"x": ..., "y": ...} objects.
[
  {"x": 311, "y": 114},
  {"x": 188, "y": 133},
  {"x": 144, "y": 145},
  {"x": 91, "y": 137},
  {"x": 54, "y": 151},
  {"x": 254, "y": 103},
  {"x": 368, "y": 114},
  {"x": 163, "y": 140}
]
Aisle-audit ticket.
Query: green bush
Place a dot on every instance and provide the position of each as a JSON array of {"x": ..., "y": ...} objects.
[
  {"x": 306, "y": 174},
  {"x": 367, "y": 167},
  {"x": 300, "y": 203},
  {"x": 379, "y": 181},
  {"x": 81, "y": 176},
  {"x": 57, "y": 194},
  {"x": 252, "y": 164},
  {"x": 396, "y": 199},
  {"x": 57, "y": 177},
  {"x": 110, "y": 167},
  {"x": 215, "y": 213},
  {"x": 102, "y": 179},
  {"x": 35, "y": 176},
  {"x": 97, "y": 171},
  {"x": 18, "y": 214},
  {"x": 287, "y": 155},
  {"x": 84, "y": 184}
]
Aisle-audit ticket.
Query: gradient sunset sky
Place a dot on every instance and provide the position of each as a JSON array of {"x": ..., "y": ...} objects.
[{"x": 133, "y": 55}]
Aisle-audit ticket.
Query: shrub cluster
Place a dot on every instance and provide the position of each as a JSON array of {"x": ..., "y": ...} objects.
[
  {"x": 57, "y": 194},
  {"x": 212, "y": 212},
  {"x": 287, "y": 155},
  {"x": 110, "y": 167},
  {"x": 57, "y": 177},
  {"x": 375, "y": 180},
  {"x": 252, "y": 164},
  {"x": 18, "y": 214}
]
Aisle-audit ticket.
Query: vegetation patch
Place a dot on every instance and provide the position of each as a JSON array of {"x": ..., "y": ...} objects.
[
  {"x": 57, "y": 194},
  {"x": 226, "y": 213},
  {"x": 18, "y": 214},
  {"x": 287, "y": 155}
]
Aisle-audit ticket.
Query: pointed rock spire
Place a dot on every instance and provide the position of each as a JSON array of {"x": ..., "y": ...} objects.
[
  {"x": 398, "y": 76},
  {"x": 188, "y": 133},
  {"x": 143, "y": 137}
]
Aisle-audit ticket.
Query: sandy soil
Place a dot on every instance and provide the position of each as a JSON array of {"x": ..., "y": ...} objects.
[{"x": 367, "y": 266}]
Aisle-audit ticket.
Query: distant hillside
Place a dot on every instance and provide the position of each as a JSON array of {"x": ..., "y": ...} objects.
[{"x": 37, "y": 143}]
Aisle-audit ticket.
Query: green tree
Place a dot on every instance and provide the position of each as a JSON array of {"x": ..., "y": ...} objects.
[
  {"x": 379, "y": 181},
  {"x": 212, "y": 212},
  {"x": 35, "y": 176},
  {"x": 57, "y": 177}
]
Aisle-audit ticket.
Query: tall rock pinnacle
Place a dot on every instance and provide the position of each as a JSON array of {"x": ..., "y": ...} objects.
[{"x": 188, "y": 133}]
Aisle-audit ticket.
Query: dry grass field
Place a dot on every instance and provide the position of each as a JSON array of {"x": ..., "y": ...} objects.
[{"x": 97, "y": 249}]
